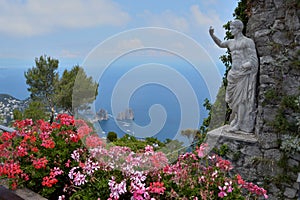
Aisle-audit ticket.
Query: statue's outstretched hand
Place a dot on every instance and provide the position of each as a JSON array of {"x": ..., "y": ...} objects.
[{"x": 211, "y": 30}]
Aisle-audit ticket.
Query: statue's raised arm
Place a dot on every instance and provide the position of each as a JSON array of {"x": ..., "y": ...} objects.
[
  {"x": 216, "y": 39},
  {"x": 241, "y": 78}
]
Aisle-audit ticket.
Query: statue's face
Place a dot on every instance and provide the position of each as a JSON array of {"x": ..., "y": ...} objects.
[{"x": 234, "y": 30}]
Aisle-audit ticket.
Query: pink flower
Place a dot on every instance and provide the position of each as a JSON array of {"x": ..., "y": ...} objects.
[
  {"x": 116, "y": 189},
  {"x": 201, "y": 150},
  {"x": 67, "y": 164},
  {"x": 62, "y": 197},
  {"x": 149, "y": 149},
  {"x": 222, "y": 192},
  {"x": 229, "y": 186},
  {"x": 79, "y": 179}
]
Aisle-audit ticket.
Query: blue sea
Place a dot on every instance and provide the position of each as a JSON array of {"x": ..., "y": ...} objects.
[{"x": 166, "y": 97}]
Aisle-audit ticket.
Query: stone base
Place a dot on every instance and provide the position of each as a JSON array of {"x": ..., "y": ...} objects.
[
  {"x": 242, "y": 150},
  {"x": 237, "y": 135},
  {"x": 18, "y": 194},
  {"x": 253, "y": 161}
]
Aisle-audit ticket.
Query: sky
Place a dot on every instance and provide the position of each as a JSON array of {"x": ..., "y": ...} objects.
[{"x": 69, "y": 30}]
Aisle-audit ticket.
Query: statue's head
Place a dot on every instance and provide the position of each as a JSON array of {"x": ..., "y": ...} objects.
[{"x": 237, "y": 24}]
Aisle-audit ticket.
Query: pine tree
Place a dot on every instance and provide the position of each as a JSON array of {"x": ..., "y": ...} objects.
[{"x": 42, "y": 80}]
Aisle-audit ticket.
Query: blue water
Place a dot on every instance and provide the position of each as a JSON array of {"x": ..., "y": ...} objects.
[
  {"x": 143, "y": 100},
  {"x": 150, "y": 94}
]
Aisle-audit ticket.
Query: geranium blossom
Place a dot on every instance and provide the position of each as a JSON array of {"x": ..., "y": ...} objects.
[
  {"x": 157, "y": 187},
  {"x": 222, "y": 192},
  {"x": 40, "y": 163},
  {"x": 116, "y": 189}
]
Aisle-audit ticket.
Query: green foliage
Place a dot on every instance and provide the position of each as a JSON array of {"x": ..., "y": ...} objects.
[
  {"x": 42, "y": 80},
  {"x": 242, "y": 12},
  {"x": 296, "y": 64},
  {"x": 282, "y": 123},
  {"x": 217, "y": 112},
  {"x": 172, "y": 148},
  {"x": 290, "y": 143},
  {"x": 97, "y": 187},
  {"x": 222, "y": 151},
  {"x": 18, "y": 115},
  {"x": 155, "y": 142},
  {"x": 84, "y": 92},
  {"x": 131, "y": 142},
  {"x": 271, "y": 95},
  {"x": 112, "y": 136},
  {"x": 236, "y": 155},
  {"x": 35, "y": 111}
]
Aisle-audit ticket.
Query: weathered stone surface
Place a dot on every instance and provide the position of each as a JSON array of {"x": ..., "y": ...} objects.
[
  {"x": 278, "y": 3},
  {"x": 293, "y": 163},
  {"x": 292, "y": 20},
  {"x": 266, "y": 60},
  {"x": 281, "y": 38},
  {"x": 23, "y": 193},
  {"x": 237, "y": 136},
  {"x": 269, "y": 113},
  {"x": 268, "y": 140},
  {"x": 253, "y": 151},
  {"x": 261, "y": 33},
  {"x": 296, "y": 156},
  {"x": 296, "y": 186},
  {"x": 266, "y": 79},
  {"x": 290, "y": 192},
  {"x": 273, "y": 154},
  {"x": 278, "y": 25},
  {"x": 6, "y": 194}
]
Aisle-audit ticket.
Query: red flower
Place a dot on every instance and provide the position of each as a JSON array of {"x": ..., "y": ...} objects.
[
  {"x": 10, "y": 169},
  {"x": 49, "y": 181},
  {"x": 21, "y": 151},
  {"x": 40, "y": 163},
  {"x": 156, "y": 187},
  {"x": 240, "y": 180},
  {"x": 65, "y": 119},
  {"x": 14, "y": 185},
  {"x": 48, "y": 144},
  {"x": 223, "y": 164},
  {"x": 34, "y": 149},
  {"x": 7, "y": 136}
]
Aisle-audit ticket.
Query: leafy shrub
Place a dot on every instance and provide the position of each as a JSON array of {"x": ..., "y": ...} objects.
[{"x": 112, "y": 136}]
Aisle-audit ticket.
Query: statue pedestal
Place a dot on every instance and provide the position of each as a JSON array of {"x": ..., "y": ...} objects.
[{"x": 238, "y": 135}]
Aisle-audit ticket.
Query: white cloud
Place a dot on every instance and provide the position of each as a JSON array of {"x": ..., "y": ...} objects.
[
  {"x": 204, "y": 19},
  {"x": 31, "y": 17},
  {"x": 166, "y": 19}
]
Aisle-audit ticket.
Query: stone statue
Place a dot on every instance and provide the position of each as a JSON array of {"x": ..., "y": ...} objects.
[{"x": 241, "y": 78}]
